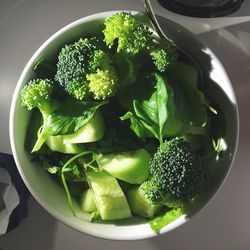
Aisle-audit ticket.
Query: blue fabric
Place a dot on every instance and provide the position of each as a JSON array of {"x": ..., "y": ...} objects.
[{"x": 21, "y": 211}]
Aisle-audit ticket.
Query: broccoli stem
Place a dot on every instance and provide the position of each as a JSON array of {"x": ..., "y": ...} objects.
[
  {"x": 161, "y": 141},
  {"x": 46, "y": 108},
  {"x": 41, "y": 138}
]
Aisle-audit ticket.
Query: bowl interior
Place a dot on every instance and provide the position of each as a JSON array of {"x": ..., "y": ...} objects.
[{"x": 52, "y": 197}]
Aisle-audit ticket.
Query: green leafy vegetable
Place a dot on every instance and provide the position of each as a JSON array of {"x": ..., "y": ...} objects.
[
  {"x": 72, "y": 116},
  {"x": 66, "y": 169},
  {"x": 155, "y": 111},
  {"x": 38, "y": 63},
  {"x": 136, "y": 124},
  {"x": 190, "y": 103},
  {"x": 52, "y": 169},
  {"x": 161, "y": 221},
  {"x": 219, "y": 147},
  {"x": 35, "y": 123},
  {"x": 74, "y": 173}
]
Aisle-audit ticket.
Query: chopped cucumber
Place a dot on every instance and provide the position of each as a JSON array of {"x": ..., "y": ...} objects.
[
  {"x": 140, "y": 205},
  {"x": 87, "y": 201},
  {"x": 109, "y": 198},
  {"x": 132, "y": 167},
  {"x": 91, "y": 132},
  {"x": 55, "y": 143}
]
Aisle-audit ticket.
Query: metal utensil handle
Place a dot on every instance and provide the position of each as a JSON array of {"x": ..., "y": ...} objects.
[
  {"x": 148, "y": 8},
  {"x": 164, "y": 35}
]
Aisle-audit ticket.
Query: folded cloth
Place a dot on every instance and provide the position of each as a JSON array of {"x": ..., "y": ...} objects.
[{"x": 13, "y": 195}]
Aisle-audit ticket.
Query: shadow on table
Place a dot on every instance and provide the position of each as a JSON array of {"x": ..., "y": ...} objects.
[{"x": 35, "y": 232}]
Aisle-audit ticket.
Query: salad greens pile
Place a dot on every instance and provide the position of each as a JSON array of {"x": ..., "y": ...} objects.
[{"x": 121, "y": 123}]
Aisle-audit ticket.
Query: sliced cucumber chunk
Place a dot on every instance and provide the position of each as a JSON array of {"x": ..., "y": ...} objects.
[
  {"x": 91, "y": 132},
  {"x": 87, "y": 201},
  {"x": 140, "y": 205},
  {"x": 55, "y": 143},
  {"x": 132, "y": 167},
  {"x": 109, "y": 198}
]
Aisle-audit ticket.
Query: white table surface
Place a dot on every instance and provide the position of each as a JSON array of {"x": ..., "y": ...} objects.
[{"x": 225, "y": 223}]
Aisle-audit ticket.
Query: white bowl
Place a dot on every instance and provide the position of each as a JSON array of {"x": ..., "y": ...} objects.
[{"x": 52, "y": 197}]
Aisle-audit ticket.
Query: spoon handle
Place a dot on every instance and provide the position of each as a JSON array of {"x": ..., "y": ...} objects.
[
  {"x": 164, "y": 35},
  {"x": 149, "y": 10}
]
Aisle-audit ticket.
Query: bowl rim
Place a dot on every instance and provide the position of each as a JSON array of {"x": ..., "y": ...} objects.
[{"x": 181, "y": 220}]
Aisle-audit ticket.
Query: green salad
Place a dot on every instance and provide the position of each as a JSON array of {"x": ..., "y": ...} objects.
[{"x": 120, "y": 122}]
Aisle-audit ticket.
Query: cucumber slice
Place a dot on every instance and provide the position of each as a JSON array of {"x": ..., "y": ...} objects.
[
  {"x": 91, "y": 132},
  {"x": 87, "y": 201},
  {"x": 132, "y": 167},
  {"x": 109, "y": 198},
  {"x": 140, "y": 205},
  {"x": 55, "y": 143}
]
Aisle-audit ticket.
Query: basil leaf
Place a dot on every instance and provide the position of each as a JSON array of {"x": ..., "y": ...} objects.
[
  {"x": 155, "y": 111},
  {"x": 136, "y": 124},
  {"x": 146, "y": 121},
  {"x": 71, "y": 116}
]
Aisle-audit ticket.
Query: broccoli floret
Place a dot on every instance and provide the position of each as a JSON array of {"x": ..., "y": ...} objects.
[
  {"x": 131, "y": 41},
  {"x": 132, "y": 36},
  {"x": 151, "y": 190},
  {"x": 73, "y": 65},
  {"x": 101, "y": 60},
  {"x": 36, "y": 94},
  {"x": 164, "y": 55},
  {"x": 177, "y": 174},
  {"x": 102, "y": 84},
  {"x": 77, "y": 65}
]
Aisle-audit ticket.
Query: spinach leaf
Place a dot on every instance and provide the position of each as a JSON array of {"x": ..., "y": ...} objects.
[
  {"x": 155, "y": 111},
  {"x": 191, "y": 104},
  {"x": 71, "y": 116}
]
